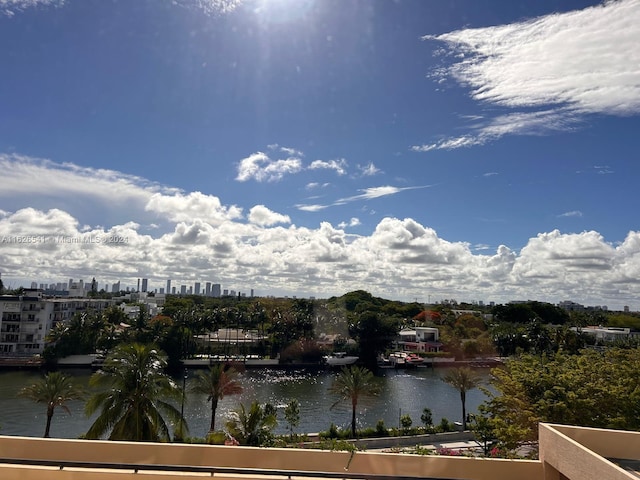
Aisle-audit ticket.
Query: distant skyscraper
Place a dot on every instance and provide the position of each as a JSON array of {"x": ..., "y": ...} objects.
[
  {"x": 145, "y": 284},
  {"x": 183, "y": 289},
  {"x": 196, "y": 288},
  {"x": 207, "y": 290},
  {"x": 138, "y": 288},
  {"x": 169, "y": 286},
  {"x": 215, "y": 290}
]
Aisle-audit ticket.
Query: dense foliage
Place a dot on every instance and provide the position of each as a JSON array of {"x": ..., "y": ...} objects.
[{"x": 593, "y": 389}]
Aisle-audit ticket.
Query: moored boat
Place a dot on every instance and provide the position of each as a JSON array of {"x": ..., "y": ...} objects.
[{"x": 339, "y": 359}]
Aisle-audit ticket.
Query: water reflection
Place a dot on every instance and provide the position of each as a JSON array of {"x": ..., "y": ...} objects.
[{"x": 403, "y": 392}]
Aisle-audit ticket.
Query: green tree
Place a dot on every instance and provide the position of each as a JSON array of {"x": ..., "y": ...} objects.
[
  {"x": 133, "y": 397},
  {"x": 374, "y": 334},
  {"x": 292, "y": 415},
  {"x": 218, "y": 382},
  {"x": 352, "y": 384},
  {"x": 54, "y": 390},
  {"x": 252, "y": 427},
  {"x": 426, "y": 417},
  {"x": 463, "y": 379},
  {"x": 591, "y": 389},
  {"x": 406, "y": 422}
]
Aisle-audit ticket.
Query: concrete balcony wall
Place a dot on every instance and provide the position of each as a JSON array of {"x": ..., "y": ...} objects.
[
  {"x": 310, "y": 461},
  {"x": 578, "y": 453}
]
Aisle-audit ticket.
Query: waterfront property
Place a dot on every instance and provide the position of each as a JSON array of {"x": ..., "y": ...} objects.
[
  {"x": 25, "y": 320},
  {"x": 419, "y": 339},
  {"x": 566, "y": 453}
]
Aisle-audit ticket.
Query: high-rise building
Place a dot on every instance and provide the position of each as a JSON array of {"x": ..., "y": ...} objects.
[
  {"x": 138, "y": 288},
  {"x": 207, "y": 289},
  {"x": 183, "y": 289},
  {"x": 145, "y": 284},
  {"x": 169, "y": 286},
  {"x": 215, "y": 290},
  {"x": 196, "y": 288}
]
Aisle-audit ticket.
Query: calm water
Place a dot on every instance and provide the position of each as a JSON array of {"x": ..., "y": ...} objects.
[{"x": 403, "y": 392}]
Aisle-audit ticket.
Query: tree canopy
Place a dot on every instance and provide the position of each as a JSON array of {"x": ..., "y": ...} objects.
[{"x": 592, "y": 389}]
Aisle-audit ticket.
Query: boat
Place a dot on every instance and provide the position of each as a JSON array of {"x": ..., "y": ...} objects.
[
  {"x": 339, "y": 359},
  {"x": 398, "y": 359},
  {"x": 405, "y": 359},
  {"x": 413, "y": 359}
]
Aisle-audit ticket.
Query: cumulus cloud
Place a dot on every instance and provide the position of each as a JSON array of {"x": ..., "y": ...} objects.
[
  {"x": 260, "y": 167},
  {"x": 195, "y": 205},
  {"x": 261, "y": 215},
  {"x": 548, "y": 72},
  {"x": 210, "y": 241},
  {"x": 400, "y": 259}
]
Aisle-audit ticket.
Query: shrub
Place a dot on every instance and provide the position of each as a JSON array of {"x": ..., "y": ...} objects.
[{"x": 381, "y": 429}]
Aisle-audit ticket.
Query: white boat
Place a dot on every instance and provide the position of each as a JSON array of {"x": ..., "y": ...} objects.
[
  {"x": 339, "y": 359},
  {"x": 405, "y": 359}
]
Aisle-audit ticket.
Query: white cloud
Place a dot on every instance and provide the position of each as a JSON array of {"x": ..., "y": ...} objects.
[
  {"x": 262, "y": 216},
  {"x": 311, "y": 208},
  {"x": 210, "y": 241},
  {"x": 261, "y": 168},
  {"x": 368, "y": 194},
  {"x": 554, "y": 70},
  {"x": 377, "y": 192},
  {"x": 369, "y": 170},
  {"x": 572, "y": 213},
  {"x": 339, "y": 165},
  {"x": 11, "y": 7},
  {"x": 354, "y": 222},
  {"x": 211, "y": 7},
  {"x": 196, "y": 205},
  {"x": 400, "y": 259}
]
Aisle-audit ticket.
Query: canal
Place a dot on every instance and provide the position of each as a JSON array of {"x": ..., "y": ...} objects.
[{"x": 403, "y": 392}]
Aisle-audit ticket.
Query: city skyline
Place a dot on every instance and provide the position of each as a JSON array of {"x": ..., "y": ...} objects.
[
  {"x": 412, "y": 149},
  {"x": 215, "y": 290}
]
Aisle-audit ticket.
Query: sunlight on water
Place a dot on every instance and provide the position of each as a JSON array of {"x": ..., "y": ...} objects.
[{"x": 403, "y": 392}]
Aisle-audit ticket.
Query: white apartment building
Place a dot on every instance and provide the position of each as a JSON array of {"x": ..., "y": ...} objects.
[{"x": 25, "y": 320}]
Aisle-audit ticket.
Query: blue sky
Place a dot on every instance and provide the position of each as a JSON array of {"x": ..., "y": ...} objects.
[{"x": 415, "y": 149}]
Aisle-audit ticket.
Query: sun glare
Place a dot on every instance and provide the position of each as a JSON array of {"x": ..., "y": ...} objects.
[{"x": 283, "y": 11}]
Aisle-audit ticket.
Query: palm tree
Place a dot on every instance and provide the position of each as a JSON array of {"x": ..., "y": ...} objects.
[
  {"x": 252, "y": 427},
  {"x": 351, "y": 384},
  {"x": 463, "y": 379},
  {"x": 55, "y": 389},
  {"x": 218, "y": 382},
  {"x": 133, "y": 396}
]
